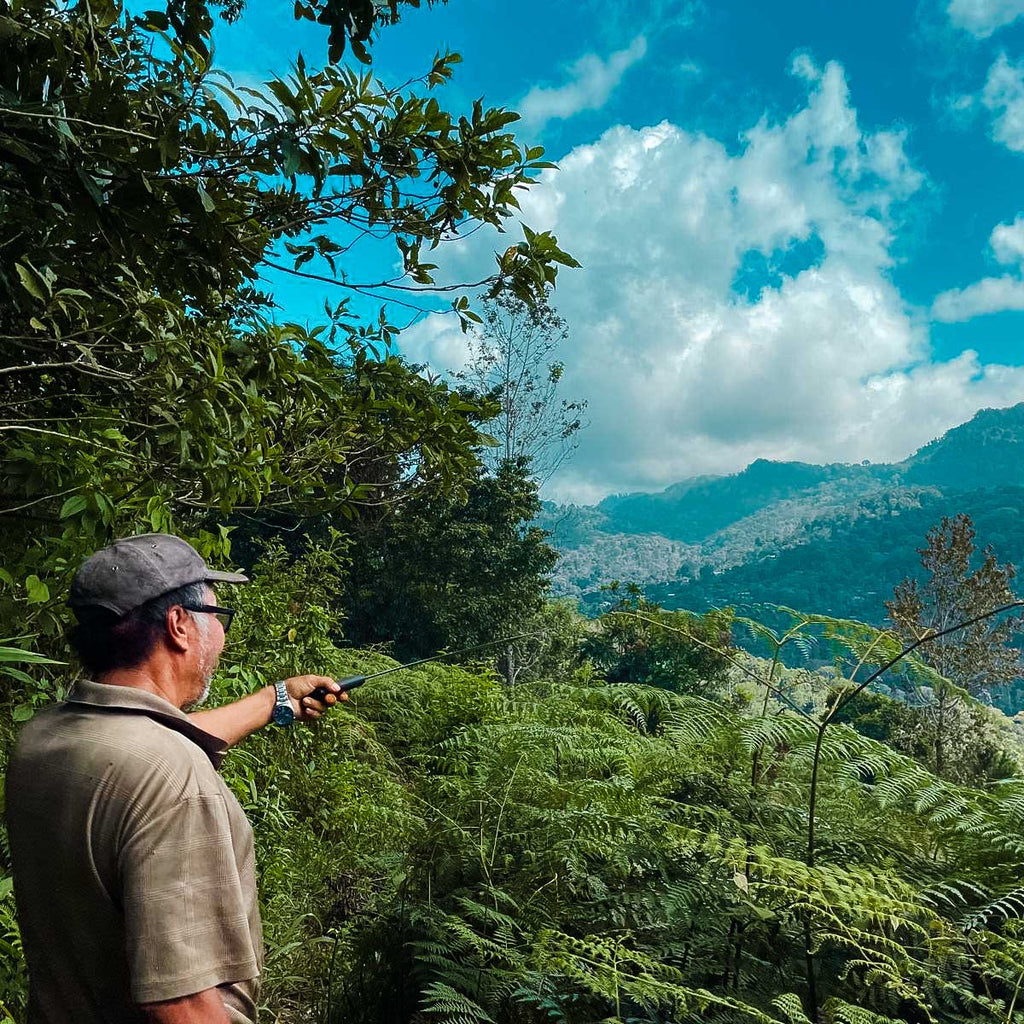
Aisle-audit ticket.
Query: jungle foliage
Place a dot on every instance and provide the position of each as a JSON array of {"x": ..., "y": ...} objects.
[
  {"x": 440, "y": 574},
  {"x": 145, "y": 381},
  {"x": 636, "y": 822},
  {"x": 453, "y": 849}
]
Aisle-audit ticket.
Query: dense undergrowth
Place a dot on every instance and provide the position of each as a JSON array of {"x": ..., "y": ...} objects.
[
  {"x": 576, "y": 851},
  {"x": 448, "y": 849},
  {"x": 445, "y": 849}
]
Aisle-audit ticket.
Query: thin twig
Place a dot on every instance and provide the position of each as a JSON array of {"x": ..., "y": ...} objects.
[{"x": 79, "y": 120}]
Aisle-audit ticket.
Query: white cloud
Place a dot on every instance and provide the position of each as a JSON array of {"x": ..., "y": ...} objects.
[
  {"x": 685, "y": 376},
  {"x": 990, "y": 294},
  {"x": 1003, "y": 96},
  {"x": 1007, "y": 241},
  {"x": 983, "y": 17},
  {"x": 592, "y": 81},
  {"x": 961, "y": 108}
]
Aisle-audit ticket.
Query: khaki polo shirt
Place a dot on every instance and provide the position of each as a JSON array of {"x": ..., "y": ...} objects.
[{"x": 134, "y": 871}]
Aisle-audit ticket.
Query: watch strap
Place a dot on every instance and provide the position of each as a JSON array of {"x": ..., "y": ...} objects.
[{"x": 284, "y": 713}]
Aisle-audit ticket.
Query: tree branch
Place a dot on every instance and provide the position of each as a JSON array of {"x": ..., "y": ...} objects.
[{"x": 79, "y": 120}]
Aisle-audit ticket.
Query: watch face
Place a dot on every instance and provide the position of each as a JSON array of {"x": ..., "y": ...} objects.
[{"x": 283, "y": 714}]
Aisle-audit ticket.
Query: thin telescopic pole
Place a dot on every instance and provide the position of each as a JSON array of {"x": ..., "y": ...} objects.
[{"x": 351, "y": 682}]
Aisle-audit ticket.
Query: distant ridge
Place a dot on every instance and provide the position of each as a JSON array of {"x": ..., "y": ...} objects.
[
  {"x": 848, "y": 565},
  {"x": 680, "y": 539},
  {"x": 693, "y": 510},
  {"x": 986, "y": 451}
]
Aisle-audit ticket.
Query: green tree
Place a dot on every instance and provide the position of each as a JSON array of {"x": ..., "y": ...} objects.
[
  {"x": 438, "y": 572},
  {"x": 638, "y": 642},
  {"x": 513, "y": 360},
  {"x": 142, "y": 381},
  {"x": 978, "y": 747},
  {"x": 975, "y": 660},
  {"x": 553, "y": 651},
  {"x": 348, "y": 21}
]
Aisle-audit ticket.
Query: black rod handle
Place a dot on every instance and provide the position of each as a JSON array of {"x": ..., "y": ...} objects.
[{"x": 346, "y": 684}]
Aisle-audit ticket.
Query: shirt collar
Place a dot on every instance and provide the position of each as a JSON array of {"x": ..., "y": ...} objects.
[{"x": 136, "y": 701}]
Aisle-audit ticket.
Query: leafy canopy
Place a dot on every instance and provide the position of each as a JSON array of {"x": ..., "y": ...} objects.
[{"x": 145, "y": 381}]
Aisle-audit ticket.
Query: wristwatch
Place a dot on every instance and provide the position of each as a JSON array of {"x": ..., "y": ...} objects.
[{"x": 284, "y": 713}]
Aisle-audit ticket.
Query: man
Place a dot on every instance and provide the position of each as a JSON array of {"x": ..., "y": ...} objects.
[{"x": 133, "y": 862}]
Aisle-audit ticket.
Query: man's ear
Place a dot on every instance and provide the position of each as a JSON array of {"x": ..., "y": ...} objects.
[{"x": 178, "y": 623}]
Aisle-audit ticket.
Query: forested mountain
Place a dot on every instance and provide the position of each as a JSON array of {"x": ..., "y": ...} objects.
[
  {"x": 692, "y": 510},
  {"x": 984, "y": 452},
  {"x": 835, "y": 537},
  {"x": 848, "y": 566}
]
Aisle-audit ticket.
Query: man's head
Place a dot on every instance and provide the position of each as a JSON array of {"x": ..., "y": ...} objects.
[{"x": 138, "y": 604}]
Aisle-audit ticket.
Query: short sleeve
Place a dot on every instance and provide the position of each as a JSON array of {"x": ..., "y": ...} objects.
[{"x": 185, "y": 912}]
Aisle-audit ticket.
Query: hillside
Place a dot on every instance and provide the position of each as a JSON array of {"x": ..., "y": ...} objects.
[
  {"x": 848, "y": 566},
  {"x": 986, "y": 451},
  {"x": 830, "y": 537},
  {"x": 693, "y": 510}
]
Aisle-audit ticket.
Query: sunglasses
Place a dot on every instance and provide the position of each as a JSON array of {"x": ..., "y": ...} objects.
[{"x": 224, "y": 615}]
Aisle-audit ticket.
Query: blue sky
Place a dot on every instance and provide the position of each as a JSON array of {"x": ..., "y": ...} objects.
[{"x": 798, "y": 221}]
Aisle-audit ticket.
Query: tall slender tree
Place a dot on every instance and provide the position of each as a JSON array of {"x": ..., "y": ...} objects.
[
  {"x": 514, "y": 359},
  {"x": 976, "y": 659}
]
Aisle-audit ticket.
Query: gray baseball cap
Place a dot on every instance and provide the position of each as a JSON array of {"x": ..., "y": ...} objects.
[{"x": 134, "y": 570}]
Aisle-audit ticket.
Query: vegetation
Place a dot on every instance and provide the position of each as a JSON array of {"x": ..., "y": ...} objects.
[
  {"x": 439, "y": 573},
  {"x": 981, "y": 659},
  {"x": 513, "y": 358},
  {"x": 837, "y": 538},
  {"x": 850, "y": 565},
  {"x": 142, "y": 379},
  {"x": 623, "y": 819},
  {"x": 640, "y": 643},
  {"x": 577, "y": 849}
]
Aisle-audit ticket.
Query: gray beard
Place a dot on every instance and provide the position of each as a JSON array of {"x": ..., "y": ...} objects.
[
  {"x": 193, "y": 704},
  {"x": 207, "y": 667}
]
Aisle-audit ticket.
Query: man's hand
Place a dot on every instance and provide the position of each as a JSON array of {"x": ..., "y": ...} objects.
[
  {"x": 306, "y": 707},
  {"x": 233, "y": 722}
]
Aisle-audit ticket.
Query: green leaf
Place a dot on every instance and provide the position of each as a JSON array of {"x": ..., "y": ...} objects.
[
  {"x": 23, "y": 712},
  {"x": 154, "y": 21},
  {"x": 9, "y": 655},
  {"x": 359, "y": 50},
  {"x": 16, "y": 673},
  {"x": 64, "y": 129},
  {"x": 18, "y": 148},
  {"x": 91, "y": 185},
  {"x": 32, "y": 281},
  {"x": 38, "y": 591},
  {"x": 204, "y": 197},
  {"x": 75, "y": 504}
]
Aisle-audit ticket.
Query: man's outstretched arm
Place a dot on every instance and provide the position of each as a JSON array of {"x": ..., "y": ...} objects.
[{"x": 233, "y": 722}]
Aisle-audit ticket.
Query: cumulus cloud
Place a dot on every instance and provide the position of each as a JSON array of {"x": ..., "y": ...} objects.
[
  {"x": 983, "y": 17},
  {"x": 1003, "y": 97},
  {"x": 685, "y": 372},
  {"x": 592, "y": 81},
  {"x": 1007, "y": 241},
  {"x": 990, "y": 294}
]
